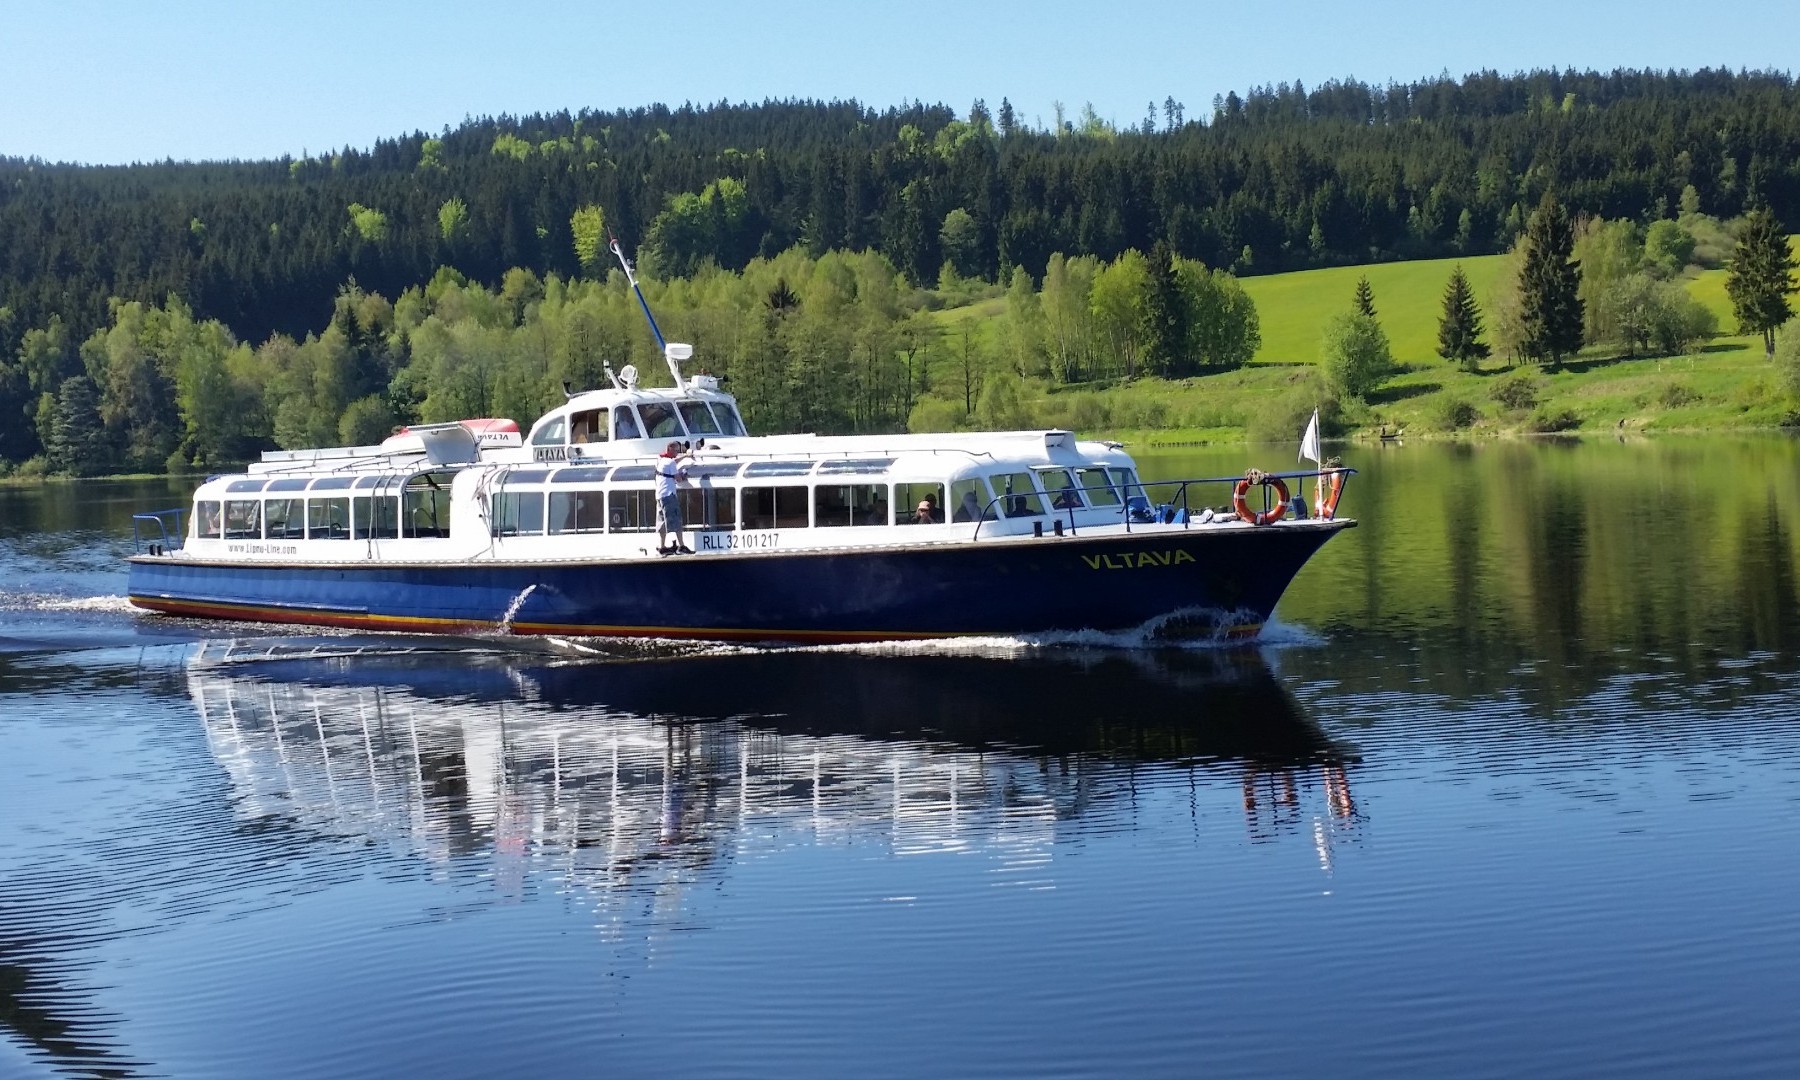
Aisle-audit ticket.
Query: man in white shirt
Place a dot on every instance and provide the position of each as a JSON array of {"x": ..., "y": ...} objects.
[{"x": 671, "y": 471}]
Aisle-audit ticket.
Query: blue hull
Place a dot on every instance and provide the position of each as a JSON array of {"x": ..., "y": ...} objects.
[{"x": 1024, "y": 586}]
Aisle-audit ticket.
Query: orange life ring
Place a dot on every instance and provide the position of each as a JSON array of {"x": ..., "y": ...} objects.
[
  {"x": 1325, "y": 506},
  {"x": 1260, "y": 517}
]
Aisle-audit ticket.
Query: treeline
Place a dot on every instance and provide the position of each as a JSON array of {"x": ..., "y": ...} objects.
[
  {"x": 1281, "y": 178},
  {"x": 841, "y": 343}
]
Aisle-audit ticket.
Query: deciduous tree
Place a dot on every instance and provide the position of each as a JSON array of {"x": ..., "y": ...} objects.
[{"x": 1355, "y": 355}]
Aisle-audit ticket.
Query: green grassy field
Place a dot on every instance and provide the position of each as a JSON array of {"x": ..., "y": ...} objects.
[
  {"x": 1409, "y": 297},
  {"x": 1728, "y": 385}
]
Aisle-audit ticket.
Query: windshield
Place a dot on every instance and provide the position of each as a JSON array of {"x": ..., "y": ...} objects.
[
  {"x": 699, "y": 418},
  {"x": 729, "y": 422}
]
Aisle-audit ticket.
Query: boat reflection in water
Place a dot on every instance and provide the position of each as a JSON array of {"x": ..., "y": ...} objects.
[{"x": 624, "y": 774}]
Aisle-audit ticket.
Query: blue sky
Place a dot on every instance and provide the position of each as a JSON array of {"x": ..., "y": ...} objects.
[{"x": 106, "y": 81}]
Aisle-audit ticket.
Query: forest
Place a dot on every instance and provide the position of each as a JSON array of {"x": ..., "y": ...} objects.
[{"x": 204, "y": 310}]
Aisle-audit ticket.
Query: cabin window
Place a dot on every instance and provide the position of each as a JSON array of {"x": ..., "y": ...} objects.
[
  {"x": 583, "y": 474},
  {"x": 245, "y": 485},
  {"x": 625, "y": 423},
  {"x": 631, "y": 511},
  {"x": 778, "y": 468},
  {"x": 1060, "y": 486},
  {"x": 971, "y": 498},
  {"x": 375, "y": 518},
  {"x": 661, "y": 420},
  {"x": 729, "y": 421},
  {"x": 698, "y": 418},
  {"x": 701, "y": 473},
  {"x": 1097, "y": 487},
  {"x": 375, "y": 481},
  {"x": 243, "y": 520},
  {"x": 708, "y": 507},
  {"x": 588, "y": 426},
  {"x": 284, "y": 519},
  {"x": 527, "y": 476},
  {"x": 517, "y": 513},
  {"x": 425, "y": 505},
  {"x": 858, "y": 465},
  {"x": 908, "y": 497},
  {"x": 332, "y": 483},
  {"x": 208, "y": 516},
  {"x": 1018, "y": 495},
  {"x": 850, "y": 504},
  {"x": 634, "y": 472},
  {"x": 775, "y": 507},
  {"x": 577, "y": 511},
  {"x": 1127, "y": 482},
  {"x": 328, "y": 519},
  {"x": 288, "y": 484},
  {"x": 552, "y": 433}
]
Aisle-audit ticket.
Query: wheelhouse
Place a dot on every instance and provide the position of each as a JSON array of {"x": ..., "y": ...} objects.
[{"x": 582, "y": 427}]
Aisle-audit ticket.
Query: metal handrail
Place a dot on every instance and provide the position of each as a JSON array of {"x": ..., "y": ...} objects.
[
  {"x": 1181, "y": 497},
  {"x": 166, "y": 539}
]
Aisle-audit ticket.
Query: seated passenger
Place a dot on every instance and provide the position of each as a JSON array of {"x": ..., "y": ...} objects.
[
  {"x": 969, "y": 509},
  {"x": 926, "y": 512},
  {"x": 1066, "y": 499}
]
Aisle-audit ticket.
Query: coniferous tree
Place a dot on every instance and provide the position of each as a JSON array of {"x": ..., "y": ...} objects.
[
  {"x": 77, "y": 442},
  {"x": 1365, "y": 297},
  {"x": 1761, "y": 277},
  {"x": 1459, "y": 331},
  {"x": 1165, "y": 315},
  {"x": 1549, "y": 286}
]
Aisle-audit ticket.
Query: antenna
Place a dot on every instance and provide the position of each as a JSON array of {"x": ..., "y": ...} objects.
[
  {"x": 632, "y": 278},
  {"x": 673, "y": 353},
  {"x": 614, "y": 379}
]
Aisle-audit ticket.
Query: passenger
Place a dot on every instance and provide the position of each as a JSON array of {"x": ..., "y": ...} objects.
[
  {"x": 1066, "y": 499},
  {"x": 926, "y": 512},
  {"x": 969, "y": 509},
  {"x": 671, "y": 470},
  {"x": 625, "y": 425}
]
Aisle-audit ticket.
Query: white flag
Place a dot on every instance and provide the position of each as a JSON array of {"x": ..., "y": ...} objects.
[{"x": 1309, "y": 442}]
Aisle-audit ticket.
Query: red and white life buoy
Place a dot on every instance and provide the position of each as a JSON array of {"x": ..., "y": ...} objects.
[
  {"x": 1325, "y": 497},
  {"x": 1260, "y": 517}
]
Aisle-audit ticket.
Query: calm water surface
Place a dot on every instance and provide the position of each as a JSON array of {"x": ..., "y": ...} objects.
[{"x": 1511, "y": 787}]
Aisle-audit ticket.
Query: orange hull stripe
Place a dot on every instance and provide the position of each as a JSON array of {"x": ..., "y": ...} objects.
[{"x": 348, "y": 621}]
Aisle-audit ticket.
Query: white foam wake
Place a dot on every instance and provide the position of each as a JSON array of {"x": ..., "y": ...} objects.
[
  {"x": 1183, "y": 630},
  {"x": 50, "y": 602}
]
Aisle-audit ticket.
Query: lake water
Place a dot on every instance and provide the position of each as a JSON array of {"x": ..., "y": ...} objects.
[{"x": 1511, "y": 787}]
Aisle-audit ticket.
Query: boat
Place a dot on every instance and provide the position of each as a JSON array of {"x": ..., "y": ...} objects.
[{"x": 480, "y": 525}]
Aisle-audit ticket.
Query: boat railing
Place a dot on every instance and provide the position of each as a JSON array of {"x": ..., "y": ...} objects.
[
  {"x": 159, "y": 531},
  {"x": 1137, "y": 507}
]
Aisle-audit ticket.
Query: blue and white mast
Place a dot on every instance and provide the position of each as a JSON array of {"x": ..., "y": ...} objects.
[{"x": 674, "y": 352}]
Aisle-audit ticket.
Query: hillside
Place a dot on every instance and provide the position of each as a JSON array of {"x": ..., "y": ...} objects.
[
  {"x": 1728, "y": 385},
  {"x": 1281, "y": 178},
  {"x": 175, "y": 315}
]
